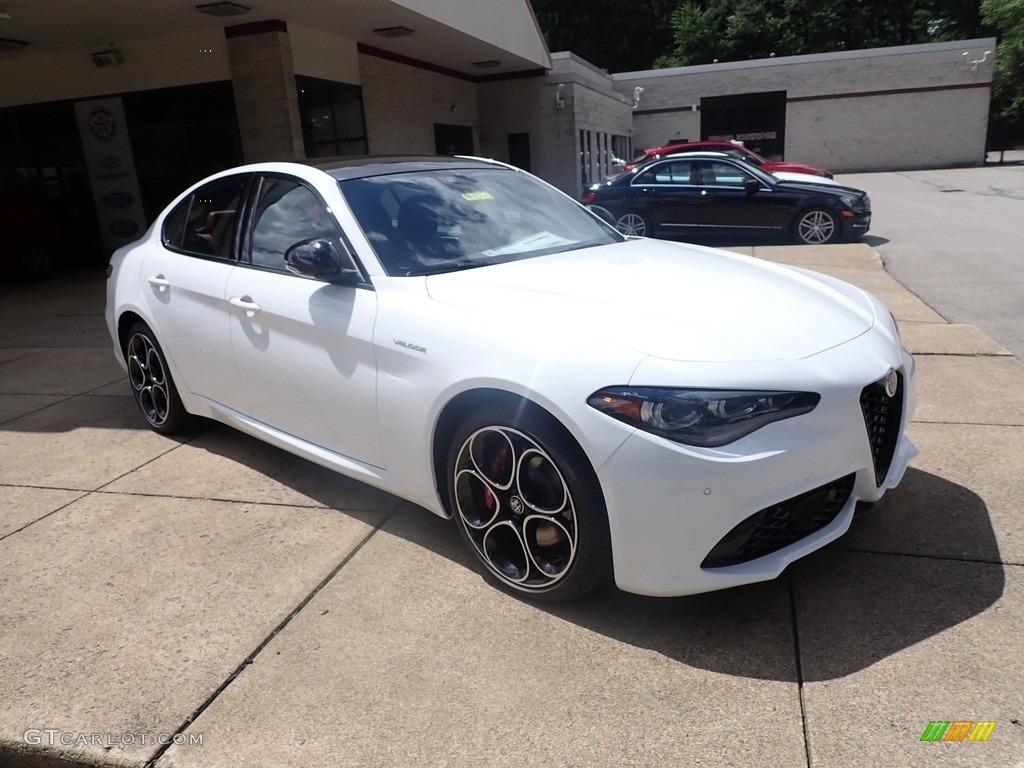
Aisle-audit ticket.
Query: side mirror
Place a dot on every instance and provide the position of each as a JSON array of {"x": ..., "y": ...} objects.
[
  {"x": 320, "y": 258},
  {"x": 751, "y": 186}
]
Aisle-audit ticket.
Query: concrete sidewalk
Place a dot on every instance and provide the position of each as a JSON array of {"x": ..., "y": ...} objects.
[{"x": 257, "y": 610}]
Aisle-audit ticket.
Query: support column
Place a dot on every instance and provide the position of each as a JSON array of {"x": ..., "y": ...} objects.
[{"x": 266, "y": 99}]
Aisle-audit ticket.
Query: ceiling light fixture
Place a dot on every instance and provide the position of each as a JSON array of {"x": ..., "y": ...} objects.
[
  {"x": 393, "y": 31},
  {"x": 6, "y": 44},
  {"x": 223, "y": 9},
  {"x": 488, "y": 64}
]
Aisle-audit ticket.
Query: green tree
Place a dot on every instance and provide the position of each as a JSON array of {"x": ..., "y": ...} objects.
[
  {"x": 1007, "y": 17},
  {"x": 615, "y": 35},
  {"x": 731, "y": 30}
]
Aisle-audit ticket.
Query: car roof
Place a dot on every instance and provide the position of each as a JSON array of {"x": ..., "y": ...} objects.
[
  {"x": 697, "y": 153},
  {"x": 380, "y": 165},
  {"x": 722, "y": 144},
  {"x": 705, "y": 154}
]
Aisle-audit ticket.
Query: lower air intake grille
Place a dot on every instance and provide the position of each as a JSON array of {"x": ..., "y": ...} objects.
[
  {"x": 780, "y": 525},
  {"x": 882, "y": 417}
]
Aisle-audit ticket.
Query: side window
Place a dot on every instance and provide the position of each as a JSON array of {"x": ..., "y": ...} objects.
[
  {"x": 675, "y": 172},
  {"x": 209, "y": 223},
  {"x": 719, "y": 174},
  {"x": 287, "y": 213}
]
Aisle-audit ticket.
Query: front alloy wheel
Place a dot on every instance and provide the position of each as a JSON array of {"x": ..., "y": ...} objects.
[
  {"x": 533, "y": 522},
  {"x": 817, "y": 227}
]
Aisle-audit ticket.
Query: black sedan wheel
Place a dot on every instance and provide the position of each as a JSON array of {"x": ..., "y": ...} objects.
[
  {"x": 152, "y": 386},
  {"x": 817, "y": 226},
  {"x": 634, "y": 224},
  {"x": 526, "y": 501}
]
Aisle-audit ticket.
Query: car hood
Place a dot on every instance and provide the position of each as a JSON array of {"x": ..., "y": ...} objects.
[
  {"x": 829, "y": 187},
  {"x": 670, "y": 300},
  {"x": 782, "y": 165},
  {"x": 806, "y": 178}
]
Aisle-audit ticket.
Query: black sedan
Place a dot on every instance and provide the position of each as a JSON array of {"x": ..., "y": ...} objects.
[{"x": 709, "y": 194}]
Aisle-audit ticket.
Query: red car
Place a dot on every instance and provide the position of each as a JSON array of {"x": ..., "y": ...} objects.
[
  {"x": 729, "y": 148},
  {"x": 29, "y": 237}
]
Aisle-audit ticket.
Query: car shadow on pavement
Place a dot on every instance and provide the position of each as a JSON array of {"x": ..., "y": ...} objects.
[
  {"x": 925, "y": 562},
  {"x": 863, "y": 605},
  {"x": 874, "y": 240}
]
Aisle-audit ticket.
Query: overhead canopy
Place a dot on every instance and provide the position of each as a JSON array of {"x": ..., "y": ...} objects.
[{"x": 455, "y": 34}]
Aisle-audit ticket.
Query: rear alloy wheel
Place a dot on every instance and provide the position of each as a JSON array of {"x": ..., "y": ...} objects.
[
  {"x": 817, "y": 226},
  {"x": 151, "y": 382},
  {"x": 633, "y": 224},
  {"x": 525, "y": 500}
]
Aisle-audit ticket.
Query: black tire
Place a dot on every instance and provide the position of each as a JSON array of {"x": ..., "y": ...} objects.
[
  {"x": 33, "y": 257},
  {"x": 533, "y": 514},
  {"x": 634, "y": 223},
  {"x": 816, "y": 226},
  {"x": 151, "y": 382}
]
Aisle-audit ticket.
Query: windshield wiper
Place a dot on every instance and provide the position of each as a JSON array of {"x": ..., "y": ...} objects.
[{"x": 452, "y": 266}]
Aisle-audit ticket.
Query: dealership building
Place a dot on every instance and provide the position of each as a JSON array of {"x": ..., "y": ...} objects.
[{"x": 109, "y": 109}]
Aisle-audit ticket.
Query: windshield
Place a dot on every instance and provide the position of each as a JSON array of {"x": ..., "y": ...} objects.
[{"x": 444, "y": 220}]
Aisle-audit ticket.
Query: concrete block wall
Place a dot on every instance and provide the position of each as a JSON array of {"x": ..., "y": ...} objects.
[
  {"x": 891, "y": 132},
  {"x": 527, "y": 105},
  {"x": 598, "y": 110},
  {"x": 904, "y": 107},
  {"x": 401, "y": 103},
  {"x": 263, "y": 79}
]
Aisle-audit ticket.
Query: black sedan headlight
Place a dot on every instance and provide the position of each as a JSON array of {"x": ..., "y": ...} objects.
[
  {"x": 703, "y": 417},
  {"x": 856, "y": 202}
]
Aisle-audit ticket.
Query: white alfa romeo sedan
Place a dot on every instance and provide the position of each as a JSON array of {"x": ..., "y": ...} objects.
[{"x": 584, "y": 405}]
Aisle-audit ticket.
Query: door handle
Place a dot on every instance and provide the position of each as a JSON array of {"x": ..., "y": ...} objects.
[
  {"x": 159, "y": 281},
  {"x": 246, "y": 303}
]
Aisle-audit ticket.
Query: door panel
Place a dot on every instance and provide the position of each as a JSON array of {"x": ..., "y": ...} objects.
[
  {"x": 185, "y": 299},
  {"x": 303, "y": 348},
  {"x": 666, "y": 192},
  {"x": 725, "y": 203},
  {"x": 305, "y": 358},
  {"x": 185, "y": 288}
]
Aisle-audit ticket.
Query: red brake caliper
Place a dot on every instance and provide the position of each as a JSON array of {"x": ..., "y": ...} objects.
[{"x": 497, "y": 469}]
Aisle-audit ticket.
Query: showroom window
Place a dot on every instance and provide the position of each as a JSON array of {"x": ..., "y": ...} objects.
[{"x": 332, "y": 117}]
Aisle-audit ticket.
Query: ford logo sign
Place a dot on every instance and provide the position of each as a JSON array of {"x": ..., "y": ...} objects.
[
  {"x": 117, "y": 199},
  {"x": 123, "y": 228}
]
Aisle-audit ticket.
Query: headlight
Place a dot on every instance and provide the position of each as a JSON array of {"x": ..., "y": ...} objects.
[
  {"x": 849, "y": 201},
  {"x": 703, "y": 417}
]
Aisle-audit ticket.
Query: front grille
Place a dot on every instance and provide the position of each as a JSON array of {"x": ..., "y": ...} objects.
[
  {"x": 778, "y": 526},
  {"x": 882, "y": 417}
]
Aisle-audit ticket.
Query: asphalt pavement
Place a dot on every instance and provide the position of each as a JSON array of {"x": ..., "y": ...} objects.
[{"x": 956, "y": 239}]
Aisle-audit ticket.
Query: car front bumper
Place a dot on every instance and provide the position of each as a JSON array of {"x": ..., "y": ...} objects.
[
  {"x": 671, "y": 505},
  {"x": 855, "y": 226}
]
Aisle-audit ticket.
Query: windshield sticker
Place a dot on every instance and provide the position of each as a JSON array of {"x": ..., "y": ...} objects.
[
  {"x": 481, "y": 195},
  {"x": 534, "y": 242}
]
